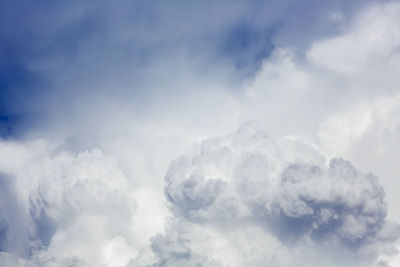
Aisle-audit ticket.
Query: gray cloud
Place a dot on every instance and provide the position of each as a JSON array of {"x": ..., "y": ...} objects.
[{"x": 14, "y": 224}]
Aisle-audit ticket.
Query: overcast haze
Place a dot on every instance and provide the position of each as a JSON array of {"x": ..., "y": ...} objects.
[{"x": 207, "y": 133}]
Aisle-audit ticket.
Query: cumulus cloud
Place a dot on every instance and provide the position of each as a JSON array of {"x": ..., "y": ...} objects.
[
  {"x": 64, "y": 209},
  {"x": 366, "y": 133},
  {"x": 365, "y": 58},
  {"x": 253, "y": 199}
]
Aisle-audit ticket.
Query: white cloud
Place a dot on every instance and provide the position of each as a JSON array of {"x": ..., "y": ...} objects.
[
  {"x": 248, "y": 184},
  {"x": 62, "y": 208},
  {"x": 366, "y": 61},
  {"x": 343, "y": 94},
  {"x": 370, "y": 42}
]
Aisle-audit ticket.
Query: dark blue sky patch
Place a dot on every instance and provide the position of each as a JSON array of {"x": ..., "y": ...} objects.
[{"x": 247, "y": 45}]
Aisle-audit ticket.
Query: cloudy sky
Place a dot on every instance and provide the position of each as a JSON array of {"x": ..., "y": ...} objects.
[{"x": 199, "y": 133}]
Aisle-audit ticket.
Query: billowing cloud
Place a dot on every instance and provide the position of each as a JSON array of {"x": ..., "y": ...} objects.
[
  {"x": 253, "y": 199},
  {"x": 60, "y": 208}
]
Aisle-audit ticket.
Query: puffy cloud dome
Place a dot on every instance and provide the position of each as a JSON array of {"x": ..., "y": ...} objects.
[{"x": 281, "y": 190}]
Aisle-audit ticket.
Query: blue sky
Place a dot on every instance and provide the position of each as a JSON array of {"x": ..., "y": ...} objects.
[{"x": 155, "y": 133}]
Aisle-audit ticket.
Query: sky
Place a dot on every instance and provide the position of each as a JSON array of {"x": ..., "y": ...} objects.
[{"x": 199, "y": 133}]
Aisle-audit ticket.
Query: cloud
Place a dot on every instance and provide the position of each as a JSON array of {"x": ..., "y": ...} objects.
[
  {"x": 249, "y": 198},
  {"x": 358, "y": 63},
  {"x": 59, "y": 208},
  {"x": 280, "y": 189},
  {"x": 361, "y": 47},
  {"x": 123, "y": 88},
  {"x": 370, "y": 140},
  {"x": 72, "y": 59},
  {"x": 14, "y": 233},
  {"x": 365, "y": 58}
]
